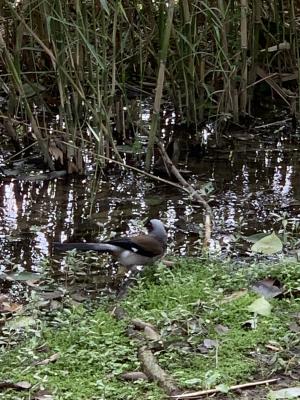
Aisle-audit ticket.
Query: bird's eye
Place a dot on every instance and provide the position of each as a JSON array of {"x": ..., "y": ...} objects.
[{"x": 149, "y": 226}]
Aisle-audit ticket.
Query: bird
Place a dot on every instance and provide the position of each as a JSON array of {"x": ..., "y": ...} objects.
[{"x": 131, "y": 251}]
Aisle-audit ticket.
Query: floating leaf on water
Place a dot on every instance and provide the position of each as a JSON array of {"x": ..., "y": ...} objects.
[
  {"x": 288, "y": 393},
  {"x": 268, "y": 245},
  {"x": 261, "y": 306}
]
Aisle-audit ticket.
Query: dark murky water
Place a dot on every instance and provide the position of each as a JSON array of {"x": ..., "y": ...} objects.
[{"x": 255, "y": 186}]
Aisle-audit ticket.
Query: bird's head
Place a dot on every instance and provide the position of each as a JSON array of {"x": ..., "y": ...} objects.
[{"x": 157, "y": 229}]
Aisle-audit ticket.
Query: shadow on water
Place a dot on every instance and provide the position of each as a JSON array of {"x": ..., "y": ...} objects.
[{"x": 255, "y": 186}]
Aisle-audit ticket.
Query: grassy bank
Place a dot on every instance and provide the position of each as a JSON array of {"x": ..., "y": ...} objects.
[{"x": 200, "y": 310}]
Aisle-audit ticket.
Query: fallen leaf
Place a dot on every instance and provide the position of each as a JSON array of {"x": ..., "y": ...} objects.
[
  {"x": 260, "y": 306},
  {"x": 288, "y": 393},
  {"x": 223, "y": 388},
  {"x": 234, "y": 296},
  {"x": 221, "y": 329},
  {"x": 210, "y": 343},
  {"x": 134, "y": 376},
  {"x": 268, "y": 245},
  {"x": 268, "y": 287},
  {"x": 43, "y": 395},
  {"x": 7, "y": 307},
  {"x": 49, "y": 360}
]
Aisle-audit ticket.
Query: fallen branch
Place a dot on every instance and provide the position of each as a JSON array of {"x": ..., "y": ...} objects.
[
  {"x": 156, "y": 373},
  {"x": 194, "y": 395},
  {"x": 189, "y": 188}
]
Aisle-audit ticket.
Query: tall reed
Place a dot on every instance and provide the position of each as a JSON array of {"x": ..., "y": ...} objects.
[{"x": 91, "y": 63}]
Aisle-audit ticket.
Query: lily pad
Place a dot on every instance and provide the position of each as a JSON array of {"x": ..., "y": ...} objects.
[{"x": 270, "y": 244}]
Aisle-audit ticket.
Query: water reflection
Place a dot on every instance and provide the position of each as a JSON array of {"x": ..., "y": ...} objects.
[{"x": 250, "y": 184}]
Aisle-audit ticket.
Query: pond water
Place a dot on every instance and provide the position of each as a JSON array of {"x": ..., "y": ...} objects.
[{"x": 253, "y": 180}]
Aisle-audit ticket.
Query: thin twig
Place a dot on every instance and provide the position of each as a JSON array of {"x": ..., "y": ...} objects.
[
  {"x": 194, "y": 395},
  {"x": 194, "y": 193}
]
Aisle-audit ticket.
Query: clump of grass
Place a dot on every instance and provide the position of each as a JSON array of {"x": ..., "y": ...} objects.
[{"x": 93, "y": 349}]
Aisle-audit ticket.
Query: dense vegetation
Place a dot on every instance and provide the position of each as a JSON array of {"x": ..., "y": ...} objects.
[{"x": 93, "y": 62}]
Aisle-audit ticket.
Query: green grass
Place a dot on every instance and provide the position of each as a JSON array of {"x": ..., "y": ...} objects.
[{"x": 185, "y": 303}]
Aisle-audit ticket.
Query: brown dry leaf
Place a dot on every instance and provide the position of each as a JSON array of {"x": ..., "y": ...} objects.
[
  {"x": 221, "y": 329},
  {"x": 7, "y": 307},
  {"x": 234, "y": 296},
  {"x": 49, "y": 360}
]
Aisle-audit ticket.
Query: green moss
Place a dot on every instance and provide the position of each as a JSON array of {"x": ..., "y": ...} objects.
[{"x": 186, "y": 303}]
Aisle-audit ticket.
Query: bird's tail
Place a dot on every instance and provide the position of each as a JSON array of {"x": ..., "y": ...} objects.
[{"x": 100, "y": 247}]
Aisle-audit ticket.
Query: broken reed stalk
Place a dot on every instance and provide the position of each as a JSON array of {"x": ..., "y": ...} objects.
[
  {"x": 160, "y": 84},
  {"x": 194, "y": 194},
  {"x": 244, "y": 47}
]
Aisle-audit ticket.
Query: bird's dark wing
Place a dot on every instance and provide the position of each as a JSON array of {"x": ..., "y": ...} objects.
[{"x": 143, "y": 245}]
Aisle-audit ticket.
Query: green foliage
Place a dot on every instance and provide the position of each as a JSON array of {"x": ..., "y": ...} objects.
[{"x": 201, "y": 310}]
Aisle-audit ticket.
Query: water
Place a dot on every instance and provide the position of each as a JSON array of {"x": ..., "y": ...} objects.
[{"x": 255, "y": 186}]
